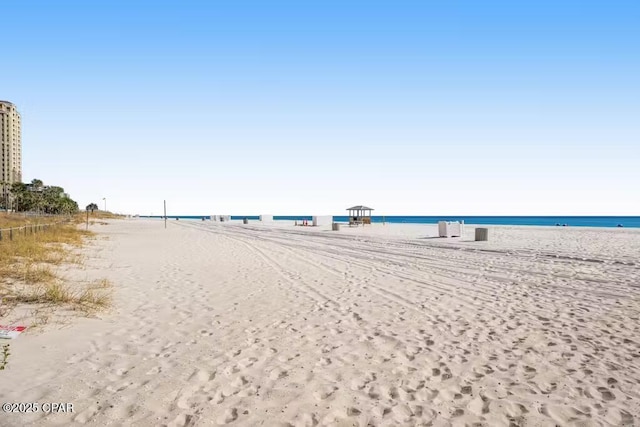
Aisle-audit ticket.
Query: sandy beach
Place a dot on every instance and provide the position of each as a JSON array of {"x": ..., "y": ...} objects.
[{"x": 276, "y": 325}]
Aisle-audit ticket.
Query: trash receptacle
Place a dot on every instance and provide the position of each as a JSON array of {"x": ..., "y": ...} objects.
[
  {"x": 482, "y": 234},
  {"x": 245, "y": 221},
  {"x": 335, "y": 226}
]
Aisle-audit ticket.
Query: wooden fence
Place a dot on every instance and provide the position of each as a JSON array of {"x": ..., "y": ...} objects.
[{"x": 8, "y": 234}]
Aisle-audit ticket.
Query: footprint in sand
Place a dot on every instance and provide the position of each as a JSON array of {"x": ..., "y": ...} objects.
[
  {"x": 458, "y": 412},
  {"x": 402, "y": 413},
  {"x": 239, "y": 382},
  {"x": 88, "y": 414},
  {"x": 426, "y": 395},
  {"x": 277, "y": 373},
  {"x": 182, "y": 420},
  {"x": 249, "y": 391},
  {"x": 478, "y": 406},
  {"x": 117, "y": 388},
  {"x": 229, "y": 416},
  {"x": 324, "y": 361},
  {"x": 233, "y": 353},
  {"x": 405, "y": 396},
  {"x": 305, "y": 420},
  {"x": 230, "y": 370},
  {"x": 619, "y": 417},
  {"x": 247, "y": 363},
  {"x": 360, "y": 383},
  {"x": 606, "y": 394},
  {"x": 203, "y": 376},
  {"x": 217, "y": 398},
  {"x": 324, "y": 392},
  {"x": 154, "y": 371}
]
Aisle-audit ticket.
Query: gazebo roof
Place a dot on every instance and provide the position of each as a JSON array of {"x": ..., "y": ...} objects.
[{"x": 360, "y": 208}]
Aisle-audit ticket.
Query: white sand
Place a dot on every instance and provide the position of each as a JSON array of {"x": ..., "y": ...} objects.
[{"x": 279, "y": 325}]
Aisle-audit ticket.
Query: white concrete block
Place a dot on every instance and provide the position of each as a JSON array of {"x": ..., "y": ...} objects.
[
  {"x": 450, "y": 228},
  {"x": 320, "y": 220}
]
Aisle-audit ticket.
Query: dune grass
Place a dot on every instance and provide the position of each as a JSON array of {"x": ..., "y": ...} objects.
[
  {"x": 88, "y": 299},
  {"x": 81, "y": 217},
  {"x": 27, "y": 266},
  {"x": 4, "y": 356},
  {"x": 14, "y": 220}
]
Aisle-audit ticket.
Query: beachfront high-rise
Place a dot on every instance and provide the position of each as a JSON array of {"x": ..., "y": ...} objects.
[{"x": 11, "y": 146}]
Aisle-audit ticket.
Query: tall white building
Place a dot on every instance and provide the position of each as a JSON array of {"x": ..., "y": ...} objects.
[{"x": 11, "y": 146}]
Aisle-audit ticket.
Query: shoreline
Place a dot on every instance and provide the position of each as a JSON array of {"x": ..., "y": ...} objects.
[{"x": 341, "y": 219}]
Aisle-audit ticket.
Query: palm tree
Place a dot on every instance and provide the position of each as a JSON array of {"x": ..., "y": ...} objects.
[
  {"x": 37, "y": 187},
  {"x": 22, "y": 196},
  {"x": 53, "y": 197}
]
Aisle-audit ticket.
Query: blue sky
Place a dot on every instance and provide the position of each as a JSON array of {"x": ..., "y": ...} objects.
[{"x": 411, "y": 107}]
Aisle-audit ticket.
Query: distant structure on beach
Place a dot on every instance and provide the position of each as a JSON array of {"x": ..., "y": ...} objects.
[
  {"x": 359, "y": 215},
  {"x": 11, "y": 143},
  {"x": 318, "y": 220}
]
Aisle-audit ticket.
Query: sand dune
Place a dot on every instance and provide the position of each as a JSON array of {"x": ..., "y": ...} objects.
[{"x": 249, "y": 325}]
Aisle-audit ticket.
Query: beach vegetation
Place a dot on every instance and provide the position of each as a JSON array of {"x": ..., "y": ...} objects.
[
  {"x": 4, "y": 356},
  {"x": 29, "y": 265},
  {"x": 39, "y": 198}
]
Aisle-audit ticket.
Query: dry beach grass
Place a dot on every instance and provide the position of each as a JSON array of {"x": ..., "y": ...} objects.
[{"x": 29, "y": 265}]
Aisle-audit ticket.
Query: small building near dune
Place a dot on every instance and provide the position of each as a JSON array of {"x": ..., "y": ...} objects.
[{"x": 359, "y": 215}]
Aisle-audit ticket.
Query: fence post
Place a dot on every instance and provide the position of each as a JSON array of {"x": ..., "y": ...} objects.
[{"x": 26, "y": 230}]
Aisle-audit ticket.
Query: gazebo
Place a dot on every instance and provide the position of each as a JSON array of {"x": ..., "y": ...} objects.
[{"x": 359, "y": 215}]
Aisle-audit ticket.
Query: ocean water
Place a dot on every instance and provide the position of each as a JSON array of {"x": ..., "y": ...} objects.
[{"x": 570, "y": 221}]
